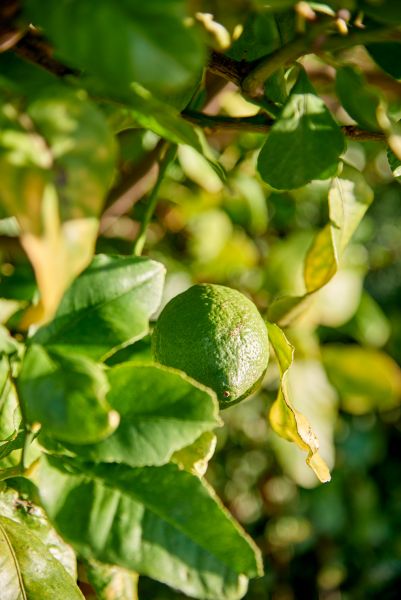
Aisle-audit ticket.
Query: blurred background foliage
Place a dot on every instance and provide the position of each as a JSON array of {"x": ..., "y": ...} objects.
[{"x": 338, "y": 541}]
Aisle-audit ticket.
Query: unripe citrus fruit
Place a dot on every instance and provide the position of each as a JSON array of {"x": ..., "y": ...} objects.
[{"x": 217, "y": 336}]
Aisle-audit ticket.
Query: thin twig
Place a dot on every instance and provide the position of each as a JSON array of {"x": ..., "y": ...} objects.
[
  {"x": 34, "y": 48},
  {"x": 316, "y": 43},
  {"x": 152, "y": 200}
]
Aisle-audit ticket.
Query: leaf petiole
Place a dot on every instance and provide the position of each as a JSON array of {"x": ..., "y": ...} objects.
[{"x": 153, "y": 197}]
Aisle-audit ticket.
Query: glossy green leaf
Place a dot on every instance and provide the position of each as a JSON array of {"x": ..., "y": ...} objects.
[
  {"x": 284, "y": 419},
  {"x": 127, "y": 41},
  {"x": 28, "y": 570},
  {"x": 304, "y": 143},
  {"x": 23, "y": 511},
  {"x": 106, "y": 307},
  {"x": 111, "y": 582},
  {"x": 66, "y": 395},
  {"x": 158, "y": 521},
  {"x": 366, "y": 379},
  {"x": 161, "y": 411},
  {"x": 362, "y": 104}
]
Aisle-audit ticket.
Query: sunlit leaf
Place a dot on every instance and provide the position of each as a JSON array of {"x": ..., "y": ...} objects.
[
  {"x": 312, "y": 394},
  {"x": 23, "y": 511},
  {"x": 28, "y": 569},
  {"x": 106, "y": 307},
  {"x": 349, "y": 199},
  {"x": 195, "y": 458},
  {"x": 10, "y": 416},
  {"x": 284, "y": 418},
  {"x": 304, "y": 143}
]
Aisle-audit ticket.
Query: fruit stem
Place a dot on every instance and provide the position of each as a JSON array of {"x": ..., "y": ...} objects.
[{"x": 153, "y": 197}]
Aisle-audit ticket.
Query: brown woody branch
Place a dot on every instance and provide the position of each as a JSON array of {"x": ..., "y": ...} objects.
[
  {"x": 34, "y": 48},
  {"x": 262, "y": 124}
]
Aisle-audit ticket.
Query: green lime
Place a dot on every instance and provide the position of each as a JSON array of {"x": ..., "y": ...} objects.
[{"x": 217, "y": 336}]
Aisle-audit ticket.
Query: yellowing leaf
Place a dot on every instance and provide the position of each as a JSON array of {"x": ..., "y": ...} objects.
[
  {"x": 321, "y": 260},
  {"x": 195, "y": 458},
  {"x": 349, "y": 199},
  {"x": 58, "y": 254},
  {"x": 284, "y": 419},
  {"x": 56, "y": 163}
]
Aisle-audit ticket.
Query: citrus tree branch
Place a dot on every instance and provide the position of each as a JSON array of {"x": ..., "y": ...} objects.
[
  {"x": 34, "y": 48},
  {"x": 317, "y": 42},
  {"x": 262, "y": 124}
]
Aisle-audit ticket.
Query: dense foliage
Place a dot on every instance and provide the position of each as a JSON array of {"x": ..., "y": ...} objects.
[{"x": 148, "y": 146}]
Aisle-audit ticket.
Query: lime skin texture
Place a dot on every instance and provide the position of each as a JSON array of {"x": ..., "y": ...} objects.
[{"x": 215, "y": 335}]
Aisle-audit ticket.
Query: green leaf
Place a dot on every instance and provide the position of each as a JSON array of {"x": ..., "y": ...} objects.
[
  {"x": 284, "y": 419},
  {"x": 23, "y": 511},
  {"x": 363, "y": 102},
  {"x": 395, "y": 164},
  {"x": 28, "y": 570},
  {"x": 111, "y": 582},
  {"x": 126, "y": 41},
  {"x": 162, "y": 119},
  {"x": 388, "y": 56},
  {"x": 56, "y": 163},
  {"x": 366, "y": 379},
  {"x": 260, "y": 36},
  {"x": 106, "y": 307},
  {"x": 161, "y": 411},
  {"x": 11, "y": 439},
  {"x": 386, "y": 11},
  {"x": 166, "y": 121},
  {"x": 8, "y": 345},
  {"x": 304, "y": 143},
  {"x": 158, "y": 521},
  {"x": 10, "y": 416},
  {"x": 66, "y": 395}
]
